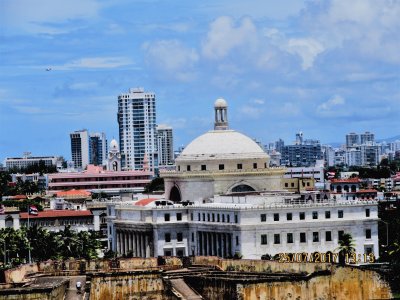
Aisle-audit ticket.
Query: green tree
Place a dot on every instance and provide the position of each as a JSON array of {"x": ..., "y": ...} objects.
[
  {"x": 346, "y": 247},
  {"x": 157, "y": 184}
]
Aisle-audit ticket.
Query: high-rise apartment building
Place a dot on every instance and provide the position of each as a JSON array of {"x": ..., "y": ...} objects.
[
  {"x": 367, "y": 138},
  {"x": 352, "y": 139},
  {"x": 165, "y": 145},
  {"x": 137, "y": 129},
  {"x": 303, "y": 153},
  {"x": 80, "y": 148},
  {"x": 97, "y": 149}
]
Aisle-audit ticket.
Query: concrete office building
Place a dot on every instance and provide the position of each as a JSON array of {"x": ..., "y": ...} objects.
[
  {"x": 80, "y": 148},
  {"x": 97, "y": 149},
  {"x": 137, "y": 129},
  {"x": 165, "y": 145}
]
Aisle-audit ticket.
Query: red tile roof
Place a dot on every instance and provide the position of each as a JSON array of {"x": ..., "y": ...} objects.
[
  {"x": 57, "y": 214},
  {"x": 18, "y": 197},
  {"x": 144, "y": 202}
]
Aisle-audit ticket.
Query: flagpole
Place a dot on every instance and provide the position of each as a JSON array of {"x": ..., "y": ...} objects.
[{"x": 29, "y": 242}]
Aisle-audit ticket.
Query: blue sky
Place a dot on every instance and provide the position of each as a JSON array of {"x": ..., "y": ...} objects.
[{"x": 323, "y": 67}]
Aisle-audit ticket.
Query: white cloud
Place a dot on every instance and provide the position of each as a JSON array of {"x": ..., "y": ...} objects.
[
  {"x": 334, "y": 107},
  {"x": 307, "y": 48},
  {"x": 95, "y": 63},
  {"x": 253, "y": 109},
  {"x": 172, "y": 57},
  {"x": 224, "y": 36},
  {"x": 290, "y": 109}
]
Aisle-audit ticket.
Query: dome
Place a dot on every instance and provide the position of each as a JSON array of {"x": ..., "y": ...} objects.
[
  {"x": 222, "y": 144},
  {"x": 113, "y": 145},
  {"x": 220, "y": 103}
]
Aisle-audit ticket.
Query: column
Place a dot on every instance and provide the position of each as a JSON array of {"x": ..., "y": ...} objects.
[
  {"x": 117, "y": 249},
  {"x": 126, "y": 243},
  {"x": 146, "y": 243},
  {"x": 209, "y": 243},
  {"x": 230, "y": 244},
  {"x": 199, "y": 243},
  {"x": 215, "y": 240},
  {"x": 131, "y": 241},
  {"x": 224, "y": 245},
  {"x": 219, "y": 245},
  {"x": 205, "y": 243}
]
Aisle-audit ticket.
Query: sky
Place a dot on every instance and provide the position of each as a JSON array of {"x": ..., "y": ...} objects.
[{"x": 325, "y": 68}]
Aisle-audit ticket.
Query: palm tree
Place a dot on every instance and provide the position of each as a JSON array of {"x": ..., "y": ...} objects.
[
  {"x": 346, "y": 247},
  {"x": 394, "y": 253}
]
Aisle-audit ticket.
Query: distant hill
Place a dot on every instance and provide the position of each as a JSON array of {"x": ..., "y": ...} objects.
[{"x": 391, "y": 139}]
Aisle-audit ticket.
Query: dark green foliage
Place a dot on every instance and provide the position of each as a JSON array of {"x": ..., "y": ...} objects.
[
  {"x": 157, "y": 184},
  {"x": 46, "y": 245}
]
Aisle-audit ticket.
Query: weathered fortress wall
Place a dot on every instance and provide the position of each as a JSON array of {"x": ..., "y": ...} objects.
[
  {"x": 135, "y": 285},
  {"x": 343, "y": 282}
]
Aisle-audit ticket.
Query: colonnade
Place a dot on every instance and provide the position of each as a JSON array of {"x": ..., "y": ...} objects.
[
  {"x": 214, "y": 244},
  {"x": 139, "y": 242}
]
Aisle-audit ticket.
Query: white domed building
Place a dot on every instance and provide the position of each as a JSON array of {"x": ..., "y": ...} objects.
[{"x": 219, "y": 162}]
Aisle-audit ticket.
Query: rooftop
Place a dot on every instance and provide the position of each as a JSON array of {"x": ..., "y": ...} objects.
[{"x": 57, "y": 214}]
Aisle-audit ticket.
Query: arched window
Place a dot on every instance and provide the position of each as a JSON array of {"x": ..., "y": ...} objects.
[
  {"x": 353, "y": 188},
  {"x": 339, "y": 189},
  {"x": 175, "y": 194},
  {"x": 346, "y": 188},
  {"x": 242, "y": 188}
]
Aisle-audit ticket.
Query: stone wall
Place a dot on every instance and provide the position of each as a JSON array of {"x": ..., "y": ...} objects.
[
  {"x": 133, "y": 285},
  {"x": 344, "y": 283},
  {"x": 54, "y": 289},
  {"x": 263, "y": 266},
  {"x": 18, "y": 274}
]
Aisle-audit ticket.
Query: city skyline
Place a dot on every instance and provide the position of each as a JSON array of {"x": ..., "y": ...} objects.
[{"x": 325, "y": 68}]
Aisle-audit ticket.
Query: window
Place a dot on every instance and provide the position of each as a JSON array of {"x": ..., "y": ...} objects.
[
  {"x": 327, "y": 214},
  {"x": 277, "y": 238},
  {"x": 315, "y": 215},
  {"x": 191, "y": 216},
  {"x": 223, "y": 218},
  {"x": 292, "y": 184},
  {"x": 221, "y": 167},
  {"x": 315, "y": 237},
  {"x": 237, "y": 240},
  {"x": 254, "y": 165},
  {"x": 217, "y": 217},
  {"x": 302, "y": 215},
  {"x": 367, "y": 213},
  {"x": 167, "y": 237},
  {"x": 264, "y": 239},
  {"x": 179, "y": 216},
  {"x": 289, "y": 238},
  {"x": 340, "y": 214},
  {"x": 204, "y": 217},
  {"x": 203, "y": 167},
  {"x": 289, "y": 216},
  {"x": 286, "y": 184},
  {"x": 179, "y": 237},
  {"x": 213, "y": 217},
  {"x": 303, "y": 237},
  {"x": 367, "y": 233},
  {"x": 239, "y": 166},
  {"x": 166, "y": 217},
  {"x": 208, "y": 217},
  {"x": 328, "y": 236},
  {"x": 188, "y": 168},
  {"x": 263, "y": 217},
  {"x": 276, "y": 217},
  {"x": 340, "y": 234},
  {"x": 228, "y": 218},
  {"x": 192, "y": 236},
  {"x": 236, "y": 219}
]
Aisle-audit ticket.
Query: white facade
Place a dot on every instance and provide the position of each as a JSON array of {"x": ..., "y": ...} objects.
[
  {"x": 137, "y": 128},
  {"x": 353, "y": 157},
  {"x": 28, "y": 160},
  {"x": 223, "y": 229}
]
